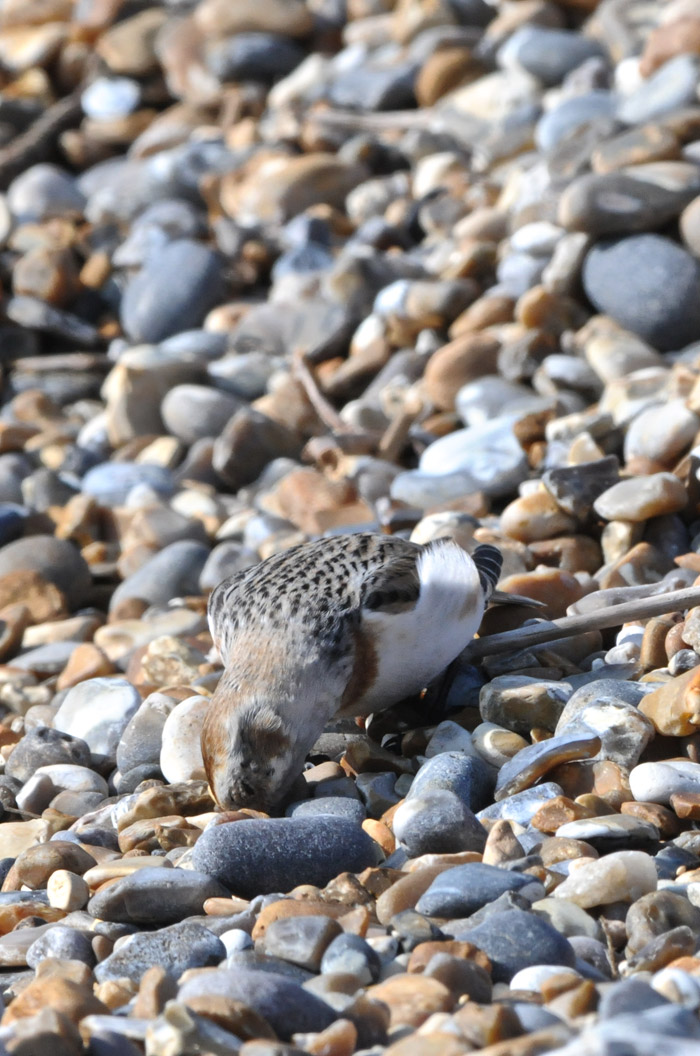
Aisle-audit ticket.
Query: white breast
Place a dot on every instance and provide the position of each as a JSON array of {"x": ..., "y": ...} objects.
[{"x": 413, "y": 647}]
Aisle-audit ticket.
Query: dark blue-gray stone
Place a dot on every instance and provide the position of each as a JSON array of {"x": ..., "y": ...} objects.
[
  {"x": 337, "y": 806},
  {"x": 259, "y": 856},
  {"x": 177, "y": 948},
  {"x": 629, "y": 995},
  {"x": 12, "y": 518},
  {"x": 155, "y": 896},
  {"x": 174, "y": 290},
  {"x": 467, "y": 776},
  {"x": 253, "y": 57},
  {"x": 287, "y": 1007},
  {"x": 648, "y": 284},
  {"x": 173, "y": 572},
  {"x": 111, "y": 482},
  {"x": 460, "y": 891},
  {"x": 45, "y": 746},
  {"x": 437, "y": 822},
  {"x": 548, "y": 54},
  {"x": 515, "y": 939}
]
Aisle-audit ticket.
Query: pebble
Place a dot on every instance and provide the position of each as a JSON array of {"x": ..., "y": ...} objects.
[
  {"x": 284, "y": 269},
  {"x": 304, "y": 850}
]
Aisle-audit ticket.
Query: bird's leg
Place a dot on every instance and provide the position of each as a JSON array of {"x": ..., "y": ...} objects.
[{"x": 437, "y": 693}]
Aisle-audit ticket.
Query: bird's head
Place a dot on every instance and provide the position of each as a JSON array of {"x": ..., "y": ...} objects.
[{"x": 250, "y": 754}]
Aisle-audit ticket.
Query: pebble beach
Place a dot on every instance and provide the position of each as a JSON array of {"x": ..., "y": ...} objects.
[{"x": 278, "y": 270}]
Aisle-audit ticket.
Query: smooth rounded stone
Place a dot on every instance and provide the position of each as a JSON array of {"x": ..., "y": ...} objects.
[
  {"x": 639, "y": 498},
  {"x": 141, "y": 739},
  {"x": 674, "y": 708},
  {"x": 620, "y": 203},
  {"x": 536, "y": 516},
  {"x": 44, "y": 746},
  {"x": 492, "y": 396},
  {"x": 519, "y": 703},
  {"x": 610, "y": 830},
  {"x": 622, "y": 876},
  {"x": 248, "y": 443},
  {"x": 672, "y": 86},
  {"x": 42, "y": 192},
  {"x": 568, "y": 918},
  {"x": 461, "y": 891},
  {"x": 98, "y": 710},
  {"x": 110, "y": 97},
  {"x": 495, "y": 744},
  {"x": 484, "y": 458},
  {"x": 225, "y": 560},
  {"x": 533, "y": 977},
  {"x": 176, "y": 949},
  {"x": 533, "y": 762},
  {"x": 661, "y": 434},
  {"x": 300, "y": 940},
  {"x": 522, "y": 806},
  {"x": 181, "y": 750},
  {"x": 49, "y": 659},
  {"x": 65, "y": 943},
  {"x": 548, "y": 54},
  {"x": 515, "y": 940},
  {"x": 253, "y": 56},
  {"x": 155, "y": 896},
  {"x": 173, "y": 572},
  {"x": 655, "y": 914},
  {"x": 111, "y": 482},
  {"x": 657, "y": 782},
  {"x": 47, "y": 781},
  {"x": 191, "y": 412},
  {"x": 56, "y": 560},
  {"x": 173, "y": 291},
  {"x": 337, "y": 806},
  {"x": 465, "y": 776},
  {"x": 351, "y": 954},
  {"x": 648, "y": 284},
  {"x": 623, "y": 729},
  {"x": 449, "y": 737},
  {"x": 244, "y": 375},
  {"x": 572, "y": 115},
  {"x": 282, "y": 1002},
  {"x": 437, "y": 822},
  {"x": 259, "y": 856}
]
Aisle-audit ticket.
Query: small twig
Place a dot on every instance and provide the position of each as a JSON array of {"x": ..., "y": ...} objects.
[
  {"x": 326, "y": 412},
  {"x": 38, "y": 143},
  {"x": 610, "y": 616}
]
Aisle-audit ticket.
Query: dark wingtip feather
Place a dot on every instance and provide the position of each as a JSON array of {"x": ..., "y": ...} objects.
[{"x": 489, "y": 561}]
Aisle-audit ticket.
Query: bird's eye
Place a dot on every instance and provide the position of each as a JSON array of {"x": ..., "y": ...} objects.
[{"x": 247, "y": 788}]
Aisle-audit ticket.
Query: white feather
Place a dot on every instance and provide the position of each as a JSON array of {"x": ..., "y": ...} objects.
[{"x": 413, "y": 647}]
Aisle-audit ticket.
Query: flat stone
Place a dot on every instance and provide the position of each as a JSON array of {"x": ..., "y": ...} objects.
[
  {"x": 174, "y": 572},
  {"x": 256, "y": 857},
  {"x": 282, "y": 1002},
  {"x": 175, "y": 948},
  {"x": 514, "y": 940},
  {"x": 533, "y": 762},
  {"x": 461, "y": 891},
  {"x": 640, "y": 498},
  {"x": 99, "y": 711},
  {"x": 155, "y": 896}
]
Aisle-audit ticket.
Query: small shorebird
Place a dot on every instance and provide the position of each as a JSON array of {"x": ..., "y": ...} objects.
[{"x": 336, "y": 628}]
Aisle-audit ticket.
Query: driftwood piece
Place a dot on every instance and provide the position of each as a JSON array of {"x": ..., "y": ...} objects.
[{"x": 596, "y": 620}]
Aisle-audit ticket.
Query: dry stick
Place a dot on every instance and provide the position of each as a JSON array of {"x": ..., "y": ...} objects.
[
  {"x": 610, "y": 616},
  {"x": 325, "y": 410},
  {"x": 39, "y": 141}
]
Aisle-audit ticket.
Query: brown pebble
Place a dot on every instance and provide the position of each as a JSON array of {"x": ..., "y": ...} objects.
[
  {"x": 411, "y": 998},
  {"x": 484, "y": 1025},
  {"x": 674, "y": 708},
  {"x": 656, "y": 814},
  {"x": 559, "y": 811},
  {"x": 72, "y": 1000},
  {"x": 686, "y": 804}
]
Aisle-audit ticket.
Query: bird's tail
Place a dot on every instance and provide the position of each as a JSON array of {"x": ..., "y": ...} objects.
[{"x": 489, "y": 561}]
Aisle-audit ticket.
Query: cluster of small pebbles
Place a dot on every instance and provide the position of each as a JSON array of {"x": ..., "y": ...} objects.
[{"x": 279, "y": 269}]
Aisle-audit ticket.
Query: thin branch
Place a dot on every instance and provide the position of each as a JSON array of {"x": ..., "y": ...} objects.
[
  {"x": 325, "y": 410},
  {"x": 610, "y": 616}
]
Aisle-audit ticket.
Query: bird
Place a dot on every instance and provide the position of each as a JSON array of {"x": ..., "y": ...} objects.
[{"x": 337, "y": 627}]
